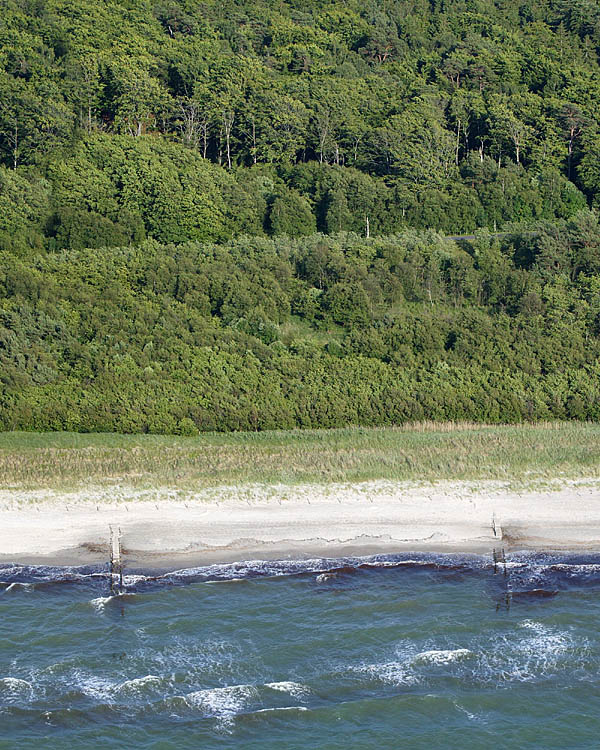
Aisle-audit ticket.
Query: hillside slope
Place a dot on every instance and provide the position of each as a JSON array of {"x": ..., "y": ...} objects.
[
  {"x": 191, "y": 119},
  {"x": 319, "y": 331}
]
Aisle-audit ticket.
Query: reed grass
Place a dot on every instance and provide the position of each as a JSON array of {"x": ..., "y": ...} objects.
[{"x": 428, "y": 452}]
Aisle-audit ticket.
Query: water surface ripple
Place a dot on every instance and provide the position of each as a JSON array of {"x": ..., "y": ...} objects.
[{"x": 416, "y": 651}]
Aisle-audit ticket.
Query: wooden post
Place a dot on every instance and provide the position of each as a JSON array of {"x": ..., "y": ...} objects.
[
  {"x": 116, "y": 562},
  {"x": 499, "y": 558}
]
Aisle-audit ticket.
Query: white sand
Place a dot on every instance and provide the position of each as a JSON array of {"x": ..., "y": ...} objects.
[{"x": 166, "y": 526}]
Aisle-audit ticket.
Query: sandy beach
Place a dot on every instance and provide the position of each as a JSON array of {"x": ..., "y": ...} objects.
[{"x": 166, "y": 527}]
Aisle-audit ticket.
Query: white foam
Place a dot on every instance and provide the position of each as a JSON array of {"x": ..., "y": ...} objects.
[
  {"x": 535, "y": 652},
  {"x": 392, "y": 672},
  {"x": 576, "y": 567},
  {"x": 14, "y": 688},
  {"x": 543, "y": 650},
  {"x": 395, "y": 563},
  {"x": 443, "y": 656},
  {"x": 323, "y": 577},
  {"x": 187, "y": 659},
  {"x": 132, "y": 579},
  {"x": 222, "y": 703},
  {"x": 100, "y": 602},
  {"x": 138, "y": 684},
  {"x": 280, "y": 708},
  {"x": 537, "y": 627},
  {"x": 545, "y": 642},
  {"x": 469, "y": 715},
  {"x": 295, "y": 689},
  {"x": 94, "y": 686},
  {"x": 16, "y": 586}
]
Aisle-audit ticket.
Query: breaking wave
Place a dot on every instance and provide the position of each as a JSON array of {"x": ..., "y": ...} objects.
[{"x": 527, "y": 572}]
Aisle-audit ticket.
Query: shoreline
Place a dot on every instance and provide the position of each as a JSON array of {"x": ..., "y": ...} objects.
[{"x": 166, "y": 528}]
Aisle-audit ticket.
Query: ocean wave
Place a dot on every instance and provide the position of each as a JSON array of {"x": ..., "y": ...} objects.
[
  {"x": 295, "y": 689},
  {"x": 100, "y": 602},
  {"x": 14, "y": 688},
  {"x": 241, "y": 570},
  {"x": 533, "y": 652},
  {"x": 469, "y": 714},
  {"x": 275, "y": 709},
  {"x": 541, "y": 652},
  {"x": 442, "y": 656},
  {"x": 16, "y": 586},
  {"x": 410, "y": 667},
  {"x": 222, "y": 703},
  {"x": 527, "y": 571},
  {"x": 139, "y": 685},
  {"x": 397, "y": 673},
  {"x": 95, "y": 686},
  {"x": 188, "y": 660},
  {"x": 575, "y": 568}
]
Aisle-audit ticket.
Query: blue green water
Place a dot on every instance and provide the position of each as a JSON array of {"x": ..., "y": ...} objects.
[{"x": 440, "y": 652}]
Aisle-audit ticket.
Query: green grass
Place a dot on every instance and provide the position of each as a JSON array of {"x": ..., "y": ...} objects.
[
  {"x": 296, "y": 329},
  {"x": 520, "y": 454}
]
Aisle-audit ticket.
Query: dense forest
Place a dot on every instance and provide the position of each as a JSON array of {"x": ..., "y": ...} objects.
[
  {"x": 180, "y": 120},
  {"x": 236, "y": 214},
  {"x": 304, "y": 332}
]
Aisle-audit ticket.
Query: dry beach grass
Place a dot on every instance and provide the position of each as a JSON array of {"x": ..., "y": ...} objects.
[{"x": 424, "y": 452}]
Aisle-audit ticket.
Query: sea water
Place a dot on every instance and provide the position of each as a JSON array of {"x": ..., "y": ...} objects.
[{"x": 419, "y": 651}]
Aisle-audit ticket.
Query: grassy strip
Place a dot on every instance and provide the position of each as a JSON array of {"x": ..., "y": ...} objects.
[{"x": 423, "y": 452}]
